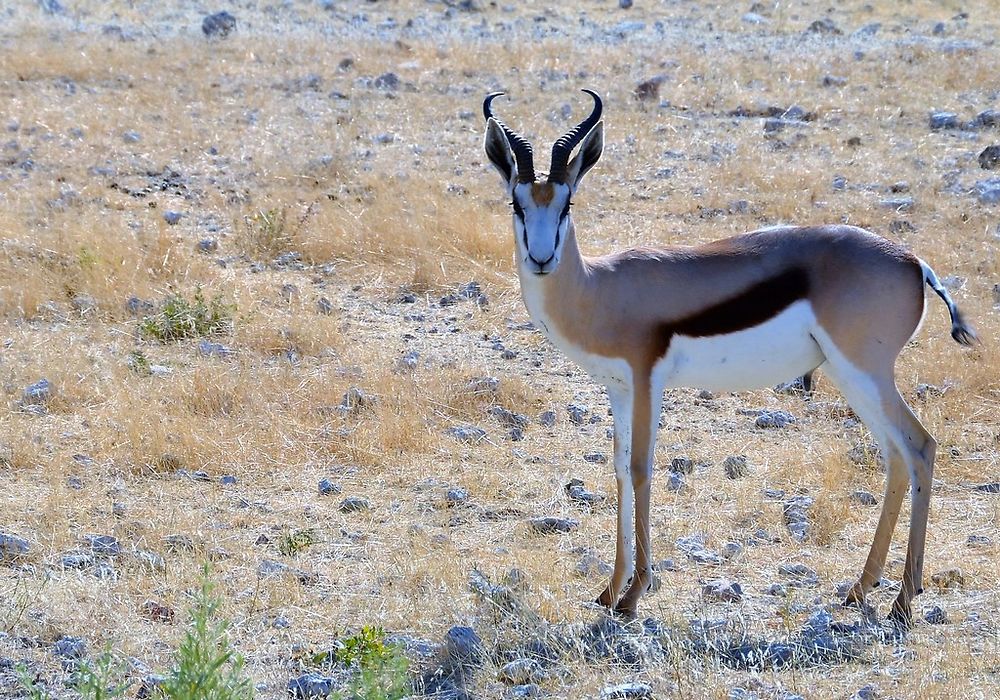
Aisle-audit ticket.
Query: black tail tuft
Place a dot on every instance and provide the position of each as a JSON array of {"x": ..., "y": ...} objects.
[{"x": 961, "y": 331}]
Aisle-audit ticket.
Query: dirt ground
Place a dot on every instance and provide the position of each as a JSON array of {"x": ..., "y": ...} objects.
[{"x": 318, "y": 174}]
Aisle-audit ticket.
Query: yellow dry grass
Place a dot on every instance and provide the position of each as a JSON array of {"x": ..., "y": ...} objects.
[{"x": 382, "y": 193}]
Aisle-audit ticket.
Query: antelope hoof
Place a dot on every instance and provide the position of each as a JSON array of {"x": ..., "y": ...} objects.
[
  {"x": 607, "y": 598},
  {"x": 626, "y": 613},
  {"x": 856, "y": 597},
  {"x": 901, "y": 616}
]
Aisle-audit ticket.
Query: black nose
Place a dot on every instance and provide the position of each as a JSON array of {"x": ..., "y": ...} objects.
[{"x": 541, "y": 263}]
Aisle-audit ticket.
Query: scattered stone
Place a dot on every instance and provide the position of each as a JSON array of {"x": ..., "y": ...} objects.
[
  {"x": 795, "y": 512},
  {"x": 12, "y": 547},
  {"x": 387, "y": 81},
  {"x": 625, "y": 4},
  {"x": 978, "y": 541},
  {"x": 466, "y": 433},
  {"x": 311, "y": 685},
  {"x": 864, "y": 498},
  {"x": 172, "y": 217},
  {"x": 774, "y": 419},
  {"x": 132, "y": 137},
  {"x": 325, "y": 307},
  {"x": 834, "y": 81},
  {"x": 354, "y": 504},
  {"x": 592, "y": 566},
  {"x": 329, "y": 488},
  {"x": 456, "y": 496},
  {"x": 694, "y": 547},
  {"x": 137, "y": 306},
  {"x": 824, "y": 26},
  {"x": 463, "y": 645},
  {"x": 949, "y": 579},
  {"x": 550, "y": 524},
  {"x": 627, "y": 691},
  {"x": 200, "y": 475},
  {"x": 76, "y": 560},
  {"x": 38, "y": 393},
  {"x": 157, "y": 612},
  {"x": 666, "y": 565},
  {"x": 731, "y": 550},
  {"x": 988, "y": 488},
  {"x": 987, "y": 118},
  {"x": 218, "y": 25},
  {"x": 178, "y": 542},
  {"x": 210, "y": 349},
  {"x": 547, "y": 419},
  {"x": 523, "y": 671},
  {"x": 103, "y": 545},
  {"x": 796, "y": 387},
  {"x": 578, "y": 493},
  {"x": 408, "y": 362},
  {"x": 989, "y": 159},
  {"x": 936, "y": 615},
  {"x": 777, "y": 590},
  {"x": 528, "y": 690},
  {"x": 483, "y": 385},
  {"x": 269, "y": 567},
  {"x": 649, "y": 90},
  {"x": 595, "y": 457},
  {"x": 939, "y": 121},
  {"x": 577, "y": 413},
  {"x": 722, "y": 590},
  {"x": 800, "y": 575},
  {"x": 675, "y": 481},
  {"x": 150, "y": 560},
  {"x": 754, "y": 18},
  {"x": 898, "y": 204},
  {"x": 508, "y": 418},
  {"x": 288, "y": 292},
  {"x": 867, "y": 692},
  {"x": 681, "y": 465},
  {"x": 227, "y": 480},
  {"x": 355, "y": 400},
  {"x": 735, "y": 467},
  {"x": 864, "y": 454},
  {"x": 988, "y": 191},
  {"x": 104, "y": 571},
  {"x": 73, "y": 648}
]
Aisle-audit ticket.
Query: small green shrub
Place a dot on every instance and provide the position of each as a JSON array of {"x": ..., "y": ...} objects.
[
  {"x": 138, "y": 363},
  {"x": 293, "y": 542},
  {"x": 180, "y": 319},
  {"x": 102, "y": 679},
  {"x": 206, "y": 668},
  {"x": 381, "y": 668}
]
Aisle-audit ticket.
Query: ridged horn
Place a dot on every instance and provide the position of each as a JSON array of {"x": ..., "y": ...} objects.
[
  {"x": 563, "y": 148},
  {"x": 518, "y": 144}
]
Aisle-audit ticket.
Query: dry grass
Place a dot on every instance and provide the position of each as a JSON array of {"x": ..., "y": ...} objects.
[{"x": 386, "y": 192}]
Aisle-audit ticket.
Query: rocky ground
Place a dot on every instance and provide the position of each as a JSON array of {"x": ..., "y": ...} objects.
[{"x": 360, "y": 426}]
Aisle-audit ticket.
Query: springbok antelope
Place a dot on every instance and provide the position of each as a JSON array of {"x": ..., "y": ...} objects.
[{"x": 741, "y": 313}]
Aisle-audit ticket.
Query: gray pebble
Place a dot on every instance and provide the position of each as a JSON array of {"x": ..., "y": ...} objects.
[
  {"x": 354, "y": 504},
  {"x": 595, "y": 457},
  {"x": 210, "y": 349},
  {"x": 735, "y": 467},
  {"x": 227, "y": 480},
  {"x": 70, "y": 648},
  {"x": 943, "y": 120},
  {"x": 681, "y": 465},
  {"x": 327, "y": 487},
  {"x": 988, "y": 191},
  {"x": 76, "y": 560},
  {"x": 172, "y": 217},
  {"x": 592, "y": 566},
  {"x": 131, "y": 137},
  {"x": 722, "y": 590},
  {"x": 208, "y": 245},
  {"x": 978, "y": 541},
  {"x": 324, "y": 306},
  {"x": 550, "y": 524},
  {"x": 456, "y": 496},
  {"x": 577, "y": 413},
  {"x": 38, "y": 393},
  {"x": 178, "y": 542},
  {"x": 675, "y": 481},
  {"x": 311, "y": 685},
  {"x": 993, "y": 487},
  {"x": 466, "y": 433},
  {"x": 218, "y": 25},
  {"x": 864, "y": 498},
  {"x": 103, "y": 545},
  {"x": 800, "y": 575},
  {"x": 936, "y": 615},
  {"x": 12, "y": 547},
  {"x": 577, "y": 492},
  {"x": 627, "y": 691},
  {"x": 387, "y": 81},
  {"x": 547, "y": 418},
  {"x": 463, "y": 645},
  {"x": 523, "y": 671}
]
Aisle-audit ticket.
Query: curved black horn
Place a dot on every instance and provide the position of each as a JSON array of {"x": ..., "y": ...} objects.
[
  {"x": 562, "y": 148},
  {"x": 518, "y": 144}
]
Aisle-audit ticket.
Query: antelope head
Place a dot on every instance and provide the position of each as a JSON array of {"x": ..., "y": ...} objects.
[{"x": 541, "y": 208}]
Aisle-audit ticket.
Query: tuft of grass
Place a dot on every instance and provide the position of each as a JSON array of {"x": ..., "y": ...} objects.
[
  {"x": 265, "y": 232},
  {"x": 102, "y": 679},
  {"x": 181, "y": 319}
]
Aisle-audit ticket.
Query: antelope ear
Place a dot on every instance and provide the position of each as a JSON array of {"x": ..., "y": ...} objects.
[
  {"x": 587, "y": 157},
  {"x": 499, "y": 152}
]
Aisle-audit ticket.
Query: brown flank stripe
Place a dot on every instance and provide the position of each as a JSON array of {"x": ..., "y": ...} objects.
[{"x": 752, "y": 307}]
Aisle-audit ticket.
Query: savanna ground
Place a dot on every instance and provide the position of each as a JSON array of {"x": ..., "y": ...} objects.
[{"x": 318, "y": 176}]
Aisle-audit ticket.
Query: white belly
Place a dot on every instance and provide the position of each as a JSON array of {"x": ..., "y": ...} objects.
[{"x": 776, "y": 351}]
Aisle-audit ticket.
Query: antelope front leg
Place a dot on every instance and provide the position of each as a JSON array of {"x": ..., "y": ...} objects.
[
  {"x": 621, "y": 412},
  {"x": 645, "y": 420}
]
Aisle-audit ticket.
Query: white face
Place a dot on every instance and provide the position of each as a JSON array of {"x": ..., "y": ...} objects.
[{"x": 541, "y": 222}]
